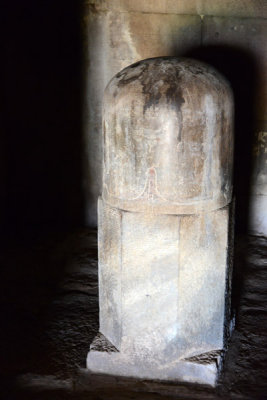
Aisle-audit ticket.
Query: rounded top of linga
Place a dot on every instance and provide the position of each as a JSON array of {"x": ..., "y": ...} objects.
[{"x": 168, "y": 137}]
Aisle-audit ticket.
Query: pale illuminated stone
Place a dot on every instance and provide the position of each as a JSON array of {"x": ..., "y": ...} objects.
[{"x": 164, "y": 262}]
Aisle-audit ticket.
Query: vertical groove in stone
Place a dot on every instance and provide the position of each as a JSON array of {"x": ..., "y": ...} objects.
[
  {"x": 178, "y": 271},
  {"x": 121, "y": 266},
  {"x": 110, "y": 272}
]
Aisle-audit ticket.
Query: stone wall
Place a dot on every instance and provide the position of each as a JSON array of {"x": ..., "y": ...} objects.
[{"x": 229, "y": 35}]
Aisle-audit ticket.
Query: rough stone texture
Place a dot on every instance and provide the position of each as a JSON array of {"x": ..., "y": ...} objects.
[
  {"x": 168, "y": 138},
  {"x": 115, "y": 40},
  {"x": 148, "y": 266},
  {"x": 158, "y": 306},
  {"x": 143, "y": 366},
  {"x": 249, "y": 36},
  {"x": 51, "y": 318},
  {"x": 163, "y": 222},
  {"x": 246, "y": 8}
]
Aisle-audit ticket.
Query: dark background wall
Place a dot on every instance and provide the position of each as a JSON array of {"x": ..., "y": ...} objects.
[{"x": 41, "y": 92}]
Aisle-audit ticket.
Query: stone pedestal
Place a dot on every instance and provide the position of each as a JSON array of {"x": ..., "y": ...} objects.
[{"x": 164, "y": 270}]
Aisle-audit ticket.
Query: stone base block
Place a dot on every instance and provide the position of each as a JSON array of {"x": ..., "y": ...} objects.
[
  {"x": 104, "y": 358},
  {"x": 164, "y": 281}
]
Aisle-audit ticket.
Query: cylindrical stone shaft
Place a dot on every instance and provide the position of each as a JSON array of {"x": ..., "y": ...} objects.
[{"x": 164, "y": 264}]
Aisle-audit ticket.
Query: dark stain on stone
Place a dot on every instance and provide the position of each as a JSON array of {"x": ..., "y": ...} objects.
[
  {"x": 196, "y": 70},
  {"x": 135, "y": 64},
  {"x": 156, "y": 81},
  {"x": 161, "y": 81},
  {"x": 173, "y": 93},
  {"x": 152, "y": 95},
  {"x": 125, "y": 79}
]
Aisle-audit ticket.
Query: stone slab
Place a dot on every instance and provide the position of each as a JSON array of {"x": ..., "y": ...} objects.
[{"x": 104, "y": 359}]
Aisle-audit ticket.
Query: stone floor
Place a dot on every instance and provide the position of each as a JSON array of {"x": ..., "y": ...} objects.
[{"x": 49, "y": 316}]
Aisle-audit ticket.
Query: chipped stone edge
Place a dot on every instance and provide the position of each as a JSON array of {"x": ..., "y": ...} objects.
[{"x": 104, "y": 358}]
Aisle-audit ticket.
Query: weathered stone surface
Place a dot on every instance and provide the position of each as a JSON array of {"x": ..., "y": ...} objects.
[
  {"x": 203, "y": 270},
  {"x": 141, "y": 366},
  {"x": 160, "y": 307},
  {"x": 115, "y": 40},
  {"x": 147, "y": 264},
  {"x": 164, "y": 222},
  {"x": 168, "y": 138},
  {"x": 245, "y": 8}
]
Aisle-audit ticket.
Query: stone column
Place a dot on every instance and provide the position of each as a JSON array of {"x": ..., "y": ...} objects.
[{"x": 164, "y": 265}]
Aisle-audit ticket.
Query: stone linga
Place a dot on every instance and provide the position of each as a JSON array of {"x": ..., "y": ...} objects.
[{"x": 165, "y": 232}]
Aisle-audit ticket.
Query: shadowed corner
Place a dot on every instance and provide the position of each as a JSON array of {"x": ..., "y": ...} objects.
[
  {"x": 240, "y": 68},
  {"x": 41, "y": 97}
]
